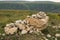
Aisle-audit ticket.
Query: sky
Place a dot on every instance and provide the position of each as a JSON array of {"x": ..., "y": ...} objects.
[{"x": 32, "y": 0}]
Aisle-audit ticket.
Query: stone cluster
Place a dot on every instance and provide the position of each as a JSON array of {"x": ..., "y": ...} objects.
[{"x": 34, "y": 23}]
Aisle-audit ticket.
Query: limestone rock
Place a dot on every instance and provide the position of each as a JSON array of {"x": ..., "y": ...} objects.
[
  {"x": 24, "y": 32},
  {"x": 36, "y": 22},
  {"x": 10, "y": 30}
]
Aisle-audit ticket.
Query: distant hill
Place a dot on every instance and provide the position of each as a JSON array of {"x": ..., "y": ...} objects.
[{"x": 39, "y": 6}]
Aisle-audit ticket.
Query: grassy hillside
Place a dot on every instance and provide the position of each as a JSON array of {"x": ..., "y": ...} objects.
[
  {"x": 8, "y": 16},
  {"x": 40, "y": 6}
]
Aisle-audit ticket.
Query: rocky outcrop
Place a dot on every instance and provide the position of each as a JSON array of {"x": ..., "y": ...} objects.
[
  {"x": 36, "y": 22},
  {"x": 39, "y": 20}
]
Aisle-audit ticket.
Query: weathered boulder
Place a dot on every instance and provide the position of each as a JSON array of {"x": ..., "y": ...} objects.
[
  {"x": 36, "y": 22},
  {"x": 40, "y": 21},
  {"x": 9, "y": 30}
]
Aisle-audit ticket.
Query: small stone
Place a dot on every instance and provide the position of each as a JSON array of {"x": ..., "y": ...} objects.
[
  {"x": 56, "y": 39},
  {"x": 48, "y": 35},
  {"x": 54, "y": 26},
  {"x": 46, "y": 39},
  {"x": 23, "y": 32},
  {"x": 28, "y": 16},
  {"x": 31, "y": 31},
  {"x": 57, "y": 35},
  {"x": 3, "y": 34}
]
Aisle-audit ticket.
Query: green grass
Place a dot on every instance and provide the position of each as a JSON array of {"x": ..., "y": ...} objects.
[{"x": 8, "y": 16}]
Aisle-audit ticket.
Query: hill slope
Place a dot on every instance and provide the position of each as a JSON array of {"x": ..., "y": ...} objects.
[{"x": 40, "y": 6}]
